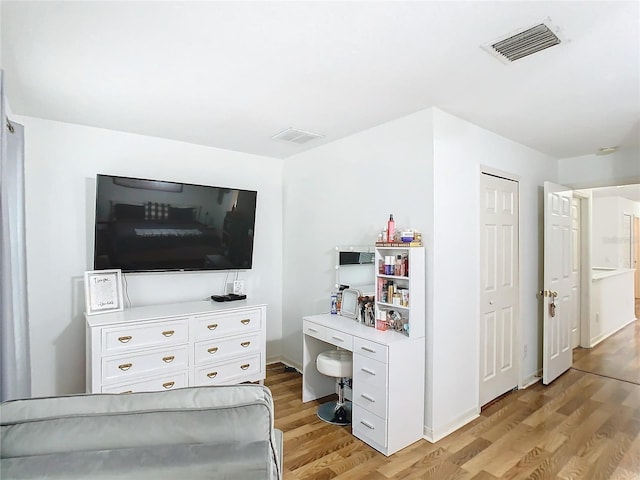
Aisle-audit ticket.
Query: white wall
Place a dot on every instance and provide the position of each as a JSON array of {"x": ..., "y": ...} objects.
[
  {"x": 605, "y": 226},
  {"x": 612, "y": 305},
  {"x": 460, "y": 149},
  {"x": 61, "y": 163},
  {"x": 608, "y": 238},
  {"x": 342, "y": 194},
  {"x": 619, "y": 168},
  {"x": 425, "y": 169}
]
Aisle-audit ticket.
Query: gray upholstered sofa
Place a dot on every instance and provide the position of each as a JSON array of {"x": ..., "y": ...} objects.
[{"x": 191, "y": 433}]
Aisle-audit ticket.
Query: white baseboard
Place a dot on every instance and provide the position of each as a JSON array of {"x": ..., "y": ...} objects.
[
  {"x": 596, "y": 340},
  {"x": 531, "y": 379},
  {"x": 285, "y": 362},
  {"x": 433, "y": 435}
]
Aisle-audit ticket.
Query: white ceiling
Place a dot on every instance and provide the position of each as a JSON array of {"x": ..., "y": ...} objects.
[{"x": 233, "y": 74}]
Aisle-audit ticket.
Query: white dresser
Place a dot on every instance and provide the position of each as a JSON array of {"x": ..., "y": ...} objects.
[
  {"x": 388, "y": 379},
  {"x": 161, "y": 347}
]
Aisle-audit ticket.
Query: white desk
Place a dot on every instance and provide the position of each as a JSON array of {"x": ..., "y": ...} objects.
[{"x": 388, "y": 379}]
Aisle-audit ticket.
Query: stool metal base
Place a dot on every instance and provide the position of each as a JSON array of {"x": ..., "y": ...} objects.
[{"x": 329, "y": 413}]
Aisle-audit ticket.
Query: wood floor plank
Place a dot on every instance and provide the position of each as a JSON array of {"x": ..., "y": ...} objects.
[{"x": 527, "y": 464}]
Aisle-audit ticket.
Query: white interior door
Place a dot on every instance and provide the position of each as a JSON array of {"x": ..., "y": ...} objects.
[
  {"x": 556, "y": 350},
  {"x": 499, "y": 303}
]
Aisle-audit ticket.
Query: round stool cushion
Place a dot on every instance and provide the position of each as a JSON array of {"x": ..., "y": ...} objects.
[{"x": 335, "y": 363}]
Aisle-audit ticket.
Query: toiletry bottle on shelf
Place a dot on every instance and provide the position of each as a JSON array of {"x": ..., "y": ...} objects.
[
  {"x": 334, "y": 303},
  {"x": 391, "y": 229}
]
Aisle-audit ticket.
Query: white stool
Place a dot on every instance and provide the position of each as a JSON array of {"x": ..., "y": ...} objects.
[{"x": 338, "y": 364}]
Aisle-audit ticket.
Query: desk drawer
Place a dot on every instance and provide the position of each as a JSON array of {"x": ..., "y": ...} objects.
[
  {"x": 370, "y": 349},
  {"x": 120, "y": 367},
  {"x": 370, "y": 385},
  {"x": 340, "y": 339},
  {"x": 236, "y": 323},
  {"x": 369, "y": 427},
  {"x": 124, "y": 338},
  {"x": 328, "y": 335},
  {"x": 212, "y": 350},
  {"x": 314, "y": 330}
]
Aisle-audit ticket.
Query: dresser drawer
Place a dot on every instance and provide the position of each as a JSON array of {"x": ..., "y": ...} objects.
[
  {"x": 370, "y": 385},
  {"x": 207, "y": 351},
  {"x": 123, "y": 338},
  {"x": 370, "y": 349},
  {"x": 119, "y": 367},
  {"x": 216, "y": 325},
  {"x": 168, "y": 381},
  {"x": 226, "y": 372},
  {"x": 369, "y": 427}
]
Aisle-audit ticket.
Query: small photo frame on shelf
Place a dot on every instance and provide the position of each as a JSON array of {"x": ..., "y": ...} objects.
[{"x": 103, "y": 291}]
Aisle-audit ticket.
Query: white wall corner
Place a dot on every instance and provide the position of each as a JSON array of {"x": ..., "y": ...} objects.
[{"x": 435, "y": 434}]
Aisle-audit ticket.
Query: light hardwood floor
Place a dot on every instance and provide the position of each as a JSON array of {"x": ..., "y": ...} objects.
[
  {"x": 586, "y": 425},
  {"x": 583, "y": 426},
  {"x": 617, "y": 357}
]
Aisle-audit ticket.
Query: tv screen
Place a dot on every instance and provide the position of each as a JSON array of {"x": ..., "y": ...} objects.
[{"x": 145, "y": 225}]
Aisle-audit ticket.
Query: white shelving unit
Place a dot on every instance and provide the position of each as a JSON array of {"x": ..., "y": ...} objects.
[{"x": 412, "y": 283}]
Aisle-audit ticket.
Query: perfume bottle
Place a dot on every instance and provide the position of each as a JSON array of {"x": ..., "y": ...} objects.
[{"x": 391, "y": 229}]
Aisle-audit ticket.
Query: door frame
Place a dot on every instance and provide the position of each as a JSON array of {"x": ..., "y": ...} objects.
[
  {"x": 636, "y": 255},
  {"x": 518, "y": 317},
  {"x": 585, "y": 265}
]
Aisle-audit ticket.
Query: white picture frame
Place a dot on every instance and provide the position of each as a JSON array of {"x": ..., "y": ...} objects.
[{"x": 103, "y": 291}]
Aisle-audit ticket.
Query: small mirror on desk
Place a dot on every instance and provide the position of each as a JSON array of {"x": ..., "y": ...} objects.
[{"x": 349, "y": 307}]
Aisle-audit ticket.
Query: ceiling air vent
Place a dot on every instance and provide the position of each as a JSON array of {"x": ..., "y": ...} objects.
[
  {"x": 293, "y": 135},
  {"x": 524, "y": 43}
]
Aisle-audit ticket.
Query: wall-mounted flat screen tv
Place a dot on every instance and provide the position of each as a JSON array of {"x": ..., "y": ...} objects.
[{"x": 145, "y": 225}]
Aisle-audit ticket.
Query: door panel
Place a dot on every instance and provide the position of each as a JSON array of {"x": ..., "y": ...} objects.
[
  {"x": 499, "y": 287},
  {"x": 557, "y": 352}
]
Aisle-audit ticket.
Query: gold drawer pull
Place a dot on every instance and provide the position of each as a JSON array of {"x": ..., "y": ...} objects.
[
  {"x": 212, "y": 374},
  {"x": 245, "y": 321},
  {"x": 168, "y": 384},
  {"x": 213, "y": 326},
  {"x": 245, "y": 344},
  {"x": 128, "y": 391},
  {"x": 125, "y": 339},
  {"x": 245, "y": 366},
  {"x": 168, "y": 359},
  {"x": 125, "y": 366},
  {"x": 212, "y": 350},
  {"x": 168, "y": 333}
]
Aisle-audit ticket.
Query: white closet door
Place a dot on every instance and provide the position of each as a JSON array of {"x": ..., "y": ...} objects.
[{"x": 499, "y": 302}]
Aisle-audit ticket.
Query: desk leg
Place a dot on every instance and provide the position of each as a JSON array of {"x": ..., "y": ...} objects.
[{"x": 314, "y": 383}]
